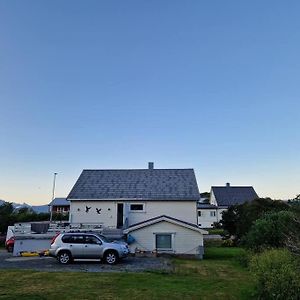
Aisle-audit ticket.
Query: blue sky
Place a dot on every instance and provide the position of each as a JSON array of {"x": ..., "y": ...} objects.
[{"x": 212, "y": 85}]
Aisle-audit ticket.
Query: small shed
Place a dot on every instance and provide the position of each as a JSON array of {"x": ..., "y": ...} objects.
[{"x": 164, "y": 234}]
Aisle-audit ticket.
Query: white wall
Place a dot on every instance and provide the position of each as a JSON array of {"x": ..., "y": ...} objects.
[
  {"x": 213, "y": 199},
  {"x": 206, "y": 220},
  {"x": 185, "y": 241},
  {"x": 107, "y": 217},
  {"x": 182, "y": 210}
]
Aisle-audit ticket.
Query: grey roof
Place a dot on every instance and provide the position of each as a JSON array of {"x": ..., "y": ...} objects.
[
  {"x": 59, "y": 202},
  {"x": 230, "y": 195},
  {"x": 136, "y": 184}
]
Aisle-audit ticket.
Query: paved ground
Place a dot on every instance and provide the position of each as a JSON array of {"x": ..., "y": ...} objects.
[{"x": 48, "y": 264}]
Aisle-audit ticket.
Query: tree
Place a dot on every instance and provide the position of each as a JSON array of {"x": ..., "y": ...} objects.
[
  {"x": 6, "y": 210},
  {"x": 271, "y": 231},
  {"x": 9, "y": 216},
  {"x": 238, "y": 219}
]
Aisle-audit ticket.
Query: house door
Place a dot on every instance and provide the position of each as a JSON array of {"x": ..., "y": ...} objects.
[{"x": 120, "y": 209}]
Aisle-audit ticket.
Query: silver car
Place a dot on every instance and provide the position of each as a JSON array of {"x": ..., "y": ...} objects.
[{"x": 68, "y": 246}]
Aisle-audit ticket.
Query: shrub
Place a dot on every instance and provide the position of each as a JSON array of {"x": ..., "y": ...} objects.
[
  {"x": 271, "y": 231},
  {"x": 215, "y": 231},
  {"x": 238, "y": 219},
  {"x": 277, "y": 274},
  {"x": 213, "y": 243},
  {"x": 244, "y": 258},
  {"x": 228, "y": 243}
]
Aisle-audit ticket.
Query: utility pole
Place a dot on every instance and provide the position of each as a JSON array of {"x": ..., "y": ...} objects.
[{"x": 53, "y": 194}]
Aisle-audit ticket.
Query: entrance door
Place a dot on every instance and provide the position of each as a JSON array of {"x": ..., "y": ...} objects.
[{"x": 120, "y": 209}]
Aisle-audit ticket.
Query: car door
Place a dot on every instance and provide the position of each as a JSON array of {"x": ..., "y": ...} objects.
[
  {"x": 92, "y": 247},
  {"x": 76, "y": 245}
]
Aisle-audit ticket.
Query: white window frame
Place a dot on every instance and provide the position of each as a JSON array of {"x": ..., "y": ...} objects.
[
  {"x": 137, "y": 211},
  {"x": 172, "y": 234},
  {"x": 212, "y": 213}
]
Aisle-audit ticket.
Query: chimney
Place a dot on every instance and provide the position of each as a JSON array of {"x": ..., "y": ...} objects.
[
  {"x": 150, "y": 165},
  {"x": 228, "y": 184}
]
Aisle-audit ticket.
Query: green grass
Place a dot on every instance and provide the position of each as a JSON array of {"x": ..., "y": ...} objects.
[{"x": 218, "y": 276}]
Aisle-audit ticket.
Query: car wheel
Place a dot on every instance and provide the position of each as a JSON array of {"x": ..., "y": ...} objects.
[
  {"x": 64, "y": 257},
  {"x": 111, "y": 257},
  {"x": 10, "y": 249}
]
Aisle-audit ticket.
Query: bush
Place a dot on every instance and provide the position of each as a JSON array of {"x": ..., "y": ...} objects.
[
  {"x": 238, "y": 219},
  {"x": 271, "y": 231},
  {"x": 277, "y": 274},
  {"x": 228, "y": 243},
  {"x": 244, "y": 258},
  {"x": 213, "y": 243},
  {"x": 215, "y": 231}
]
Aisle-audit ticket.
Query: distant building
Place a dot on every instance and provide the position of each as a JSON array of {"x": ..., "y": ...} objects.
[
  {"x": 221, "y": 197},
  {"x": 59, "y": 206}
]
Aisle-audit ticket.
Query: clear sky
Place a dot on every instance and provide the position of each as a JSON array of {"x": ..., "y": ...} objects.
[{"x": 212, "y": 85}]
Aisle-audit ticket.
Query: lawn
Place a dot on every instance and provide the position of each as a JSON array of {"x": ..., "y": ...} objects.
[{"x": 218, "y": 276}]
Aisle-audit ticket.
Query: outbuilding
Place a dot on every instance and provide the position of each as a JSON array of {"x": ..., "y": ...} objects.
[{"x": 165, "y": 234}]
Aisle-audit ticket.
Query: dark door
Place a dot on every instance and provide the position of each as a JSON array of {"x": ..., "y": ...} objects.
[{"x": 120, "y": 215}]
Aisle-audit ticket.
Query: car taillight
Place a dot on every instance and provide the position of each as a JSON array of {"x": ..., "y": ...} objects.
[
  {"x": 54, "y": 238},
  {"x": 10, "y": 240}
]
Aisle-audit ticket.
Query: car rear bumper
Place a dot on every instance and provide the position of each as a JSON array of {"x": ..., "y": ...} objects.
[{"x": 52, "y": 253}]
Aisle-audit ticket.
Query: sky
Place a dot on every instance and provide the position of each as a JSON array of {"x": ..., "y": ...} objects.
[{"x": 209, "y": 85}]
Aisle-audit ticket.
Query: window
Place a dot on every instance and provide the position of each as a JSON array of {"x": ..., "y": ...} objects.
[
  {"x": 199, "y": 213},
  {"x": 137, "y": 207},
  {"x": 212, "y": 213},
  {"x": 163, "y": 241},
  {"x": 66, "y": 238},
  {"x": 89, "y": 239},
  {"x": 73, "y": 239}
]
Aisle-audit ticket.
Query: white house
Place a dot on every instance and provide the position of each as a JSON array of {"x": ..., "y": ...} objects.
[
  {"x": 123, "y": 198},
  {"x": 221, "y": 197},
  {"x": 120, "y": 198}
]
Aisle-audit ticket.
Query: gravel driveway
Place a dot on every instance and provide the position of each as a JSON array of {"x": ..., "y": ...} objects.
[{"x": 49, "y": 264}]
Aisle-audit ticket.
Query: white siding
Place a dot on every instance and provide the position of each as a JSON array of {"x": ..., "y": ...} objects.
[
  {"x": 206, "y": 220},
  {"x": 213, "y": 200},
  {"x": 185, "y": 241},
  {"x": 107, "y": 217},
  {"x": 182, "y": 210}
]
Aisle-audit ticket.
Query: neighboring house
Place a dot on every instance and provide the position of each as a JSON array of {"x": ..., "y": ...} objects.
[
  {"x": 141, "y": 200},
  {"x": 221, "y": 197},
  {"x": 164, "y": 233},
  {"x": 59, "y": 206},
  {"x": 208, "y": 214}
]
